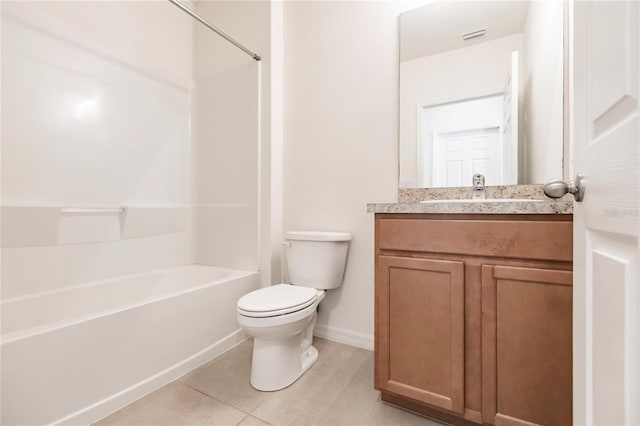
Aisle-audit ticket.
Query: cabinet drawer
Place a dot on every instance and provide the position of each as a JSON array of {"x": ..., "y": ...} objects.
[{"x": 539, "y": 240}]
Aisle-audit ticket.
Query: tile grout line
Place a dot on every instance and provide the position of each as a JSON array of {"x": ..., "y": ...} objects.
[
  {"x": 261, "y": 419},
  {"x": 243, "y": 419},
  {"x": 228, "y": 405},
  {"x": 215, "y": 399}
]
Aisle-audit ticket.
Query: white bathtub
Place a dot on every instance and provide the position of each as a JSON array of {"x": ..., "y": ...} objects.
[{"x": 75, "y": 355}]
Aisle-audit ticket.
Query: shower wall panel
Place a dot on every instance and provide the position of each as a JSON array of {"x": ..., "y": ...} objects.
[
  {"x": 226, "y": 126},
  {"x": 95, "y": 113}
]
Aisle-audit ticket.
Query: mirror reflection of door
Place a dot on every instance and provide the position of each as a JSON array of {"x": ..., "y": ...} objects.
[
  {"x": 460, "y": 138},
  {"x": 459, "y": 155}
]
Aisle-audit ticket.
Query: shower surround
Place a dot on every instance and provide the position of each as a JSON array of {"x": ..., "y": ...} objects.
[{"x": 130, "y": 200}]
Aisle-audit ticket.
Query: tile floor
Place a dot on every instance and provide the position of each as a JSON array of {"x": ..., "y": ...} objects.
[{"x": 337, "y": 390}]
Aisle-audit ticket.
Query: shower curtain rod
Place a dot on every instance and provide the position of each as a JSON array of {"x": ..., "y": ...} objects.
[{"x": 215, "y": 29}]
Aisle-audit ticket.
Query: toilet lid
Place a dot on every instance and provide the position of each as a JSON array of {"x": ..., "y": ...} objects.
[{"x": 277, "y": 299}]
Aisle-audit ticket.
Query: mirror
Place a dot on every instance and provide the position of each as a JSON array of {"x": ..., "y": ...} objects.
[{"x": 481, "y": 91}]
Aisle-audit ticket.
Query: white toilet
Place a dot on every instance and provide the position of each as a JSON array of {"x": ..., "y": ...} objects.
[{"x": 281, "y": 317}]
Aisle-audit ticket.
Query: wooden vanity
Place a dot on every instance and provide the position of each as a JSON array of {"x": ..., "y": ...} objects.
[{"x": 473, "y": 316}]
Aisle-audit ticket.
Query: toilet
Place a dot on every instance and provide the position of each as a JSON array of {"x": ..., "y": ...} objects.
[{"x": 281, "y": 317}]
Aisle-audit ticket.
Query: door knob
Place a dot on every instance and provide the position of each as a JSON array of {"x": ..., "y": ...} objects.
[{"x": 558, "y": 188}]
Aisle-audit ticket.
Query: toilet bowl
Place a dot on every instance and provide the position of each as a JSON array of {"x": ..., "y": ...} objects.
[{"x": 281, "y": 317}]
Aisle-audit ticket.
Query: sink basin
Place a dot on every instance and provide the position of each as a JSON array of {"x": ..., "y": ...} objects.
[{"x": 483, "y": 200}]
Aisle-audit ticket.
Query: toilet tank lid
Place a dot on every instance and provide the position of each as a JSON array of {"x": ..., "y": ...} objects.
[{"x": 317, "y": 236}]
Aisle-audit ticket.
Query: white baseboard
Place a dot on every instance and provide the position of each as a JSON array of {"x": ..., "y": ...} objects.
[
  {"x": 342, "y": 335},
  {"x": 123, "y": 398}
]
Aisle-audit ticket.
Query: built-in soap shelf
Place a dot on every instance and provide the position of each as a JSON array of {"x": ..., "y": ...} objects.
[
  {"x": 47, "y": 225},
  {"x": 93, "y": 210}
]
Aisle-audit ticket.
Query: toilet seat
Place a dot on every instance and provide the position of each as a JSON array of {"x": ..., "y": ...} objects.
[{"x": 276, "y": 300}]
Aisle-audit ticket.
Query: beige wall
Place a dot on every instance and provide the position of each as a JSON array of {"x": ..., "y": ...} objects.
[{"x": 340, "y": 139}]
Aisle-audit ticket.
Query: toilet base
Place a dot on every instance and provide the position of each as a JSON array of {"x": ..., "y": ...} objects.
[
  {"x": 277, "y": 366},
  {"x": 308, "y": 358}
]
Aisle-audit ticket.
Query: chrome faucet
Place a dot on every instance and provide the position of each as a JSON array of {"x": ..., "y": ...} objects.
[{"x": 478, "y": 186}]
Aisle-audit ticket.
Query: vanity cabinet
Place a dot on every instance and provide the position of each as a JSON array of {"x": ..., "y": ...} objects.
[{"x": 473, "y": 316}]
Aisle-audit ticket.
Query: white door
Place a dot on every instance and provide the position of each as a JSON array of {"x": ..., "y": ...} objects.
[
  {"x": 606, "y": 140},
  {"x": 459, "y": 155},
  {"x": 510, "y": 122}
]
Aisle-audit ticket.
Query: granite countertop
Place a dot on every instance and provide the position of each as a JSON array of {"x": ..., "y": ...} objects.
[
  {"x": 410, "y": 201},
  {"x": 537, "y": 207}
]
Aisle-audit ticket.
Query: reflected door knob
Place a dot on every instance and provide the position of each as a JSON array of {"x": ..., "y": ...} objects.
[{"x": 558, "y": 188}]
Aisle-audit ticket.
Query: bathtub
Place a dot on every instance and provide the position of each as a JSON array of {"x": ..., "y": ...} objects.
[{"x": 75, "y": 355}]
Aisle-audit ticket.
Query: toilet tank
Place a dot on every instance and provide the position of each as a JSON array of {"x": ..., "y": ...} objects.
[{"x": 316, "y": 259}]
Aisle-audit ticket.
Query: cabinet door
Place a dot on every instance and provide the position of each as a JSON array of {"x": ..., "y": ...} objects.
[
  {"x": 526, "y": 346},
  {"x": 420, "y": 330}
]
